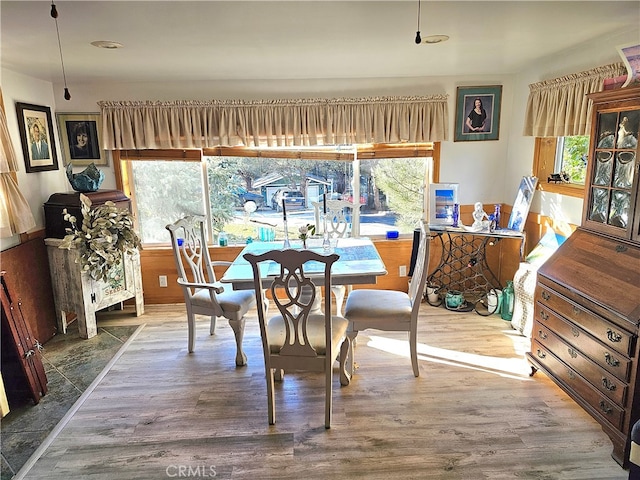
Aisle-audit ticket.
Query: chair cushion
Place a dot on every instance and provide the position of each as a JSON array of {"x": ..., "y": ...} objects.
[
  {"x": 276, "y": 332},
  {"x": 230, "y": 301},
  {"x": 376, "y": 307}
]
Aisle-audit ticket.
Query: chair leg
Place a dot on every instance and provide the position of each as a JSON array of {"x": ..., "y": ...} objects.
[
  {"x": 191, "y": 325},
  {"x": 212, "y": 327},
  {"x": 350, "y": 361},
  {"x": 238, "y": 330},
  {"x": 271, "y": 401},
  {"x": 345, "y": 375},
  {"x": 328, "y": 397},
  {"x": 413, "y": 348}
]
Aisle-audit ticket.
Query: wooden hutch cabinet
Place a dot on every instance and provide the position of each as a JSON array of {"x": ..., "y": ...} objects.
[{"x": 587, "y": 311}]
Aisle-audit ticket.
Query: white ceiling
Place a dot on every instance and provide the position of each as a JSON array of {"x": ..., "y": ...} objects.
[{"x": 239, "y": 40}]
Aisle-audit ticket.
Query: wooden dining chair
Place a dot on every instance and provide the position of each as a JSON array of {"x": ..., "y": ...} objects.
[
  {"x": 203, "y": 294},
  {"x": 297, "y": 338},
  {"x": 338, "y": 225},
  {"x": 391, "y": 310}
]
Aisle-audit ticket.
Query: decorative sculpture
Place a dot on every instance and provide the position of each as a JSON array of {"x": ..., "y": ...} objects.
[
  {"x": 89, "y": 180},
  {"x": 479, "y": 216}
]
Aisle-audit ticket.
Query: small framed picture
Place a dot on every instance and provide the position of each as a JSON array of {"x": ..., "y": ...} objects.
[
  {"x": 36, "y": 135},
  {"x": 80, "y": 136},
  {"x": 478, "y": 113},
  {"x": 442, "y": 198},
  {"x": 522, "y": 204}
]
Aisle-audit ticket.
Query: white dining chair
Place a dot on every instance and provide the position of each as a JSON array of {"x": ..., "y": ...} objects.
[
  {"x": 203, "y": 293},
  {"x": 297, "y": 338},
  {"x": 391, "y": 310},
  {"x": 338, "y": 225}
]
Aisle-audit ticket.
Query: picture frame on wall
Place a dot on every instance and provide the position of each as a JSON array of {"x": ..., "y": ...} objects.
[
  {"x": 478, "y": 113},
  {"x": 442, "y": 198},
  {"x": 80, "y": 137},
  {"x": 36, "y": 135}
]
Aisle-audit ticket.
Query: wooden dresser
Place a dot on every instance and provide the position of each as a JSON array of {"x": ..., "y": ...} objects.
[{"x": 587, "y": 311}]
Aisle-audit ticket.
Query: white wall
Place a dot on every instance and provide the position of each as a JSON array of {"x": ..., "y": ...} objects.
[{"x": 487, "y": 171}]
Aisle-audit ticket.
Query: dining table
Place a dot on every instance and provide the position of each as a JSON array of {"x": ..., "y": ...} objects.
[{"x": 359, "y": 263}]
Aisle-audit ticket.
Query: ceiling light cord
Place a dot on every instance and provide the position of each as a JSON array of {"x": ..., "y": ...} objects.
[
  {"x": 54, "y": 15},
  {"x": 418, "y": 38}
]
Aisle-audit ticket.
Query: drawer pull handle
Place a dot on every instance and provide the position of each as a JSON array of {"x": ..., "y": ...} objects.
[
  {"x": 576, "y": 311},
  {"x": 605, "y": 407},
  {"x": 541, "y": 354},
  {"x": 572, "y": 352},
  {"x": 575, "y": 332},
  {"x": 611, "y": 360},
  {"x": 542, "y": 335},
  {"x": 545, "y": 295},
  {"x": 613, "y": 336},
  {"x": 621, "y": 248},
  {"x": 572, "y": 376},
  {"x": 608, "y": 384},
  {"x": 544, "y": 315}
]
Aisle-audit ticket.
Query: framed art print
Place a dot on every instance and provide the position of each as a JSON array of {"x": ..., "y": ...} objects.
[
  {"x": 442, "y": 198},
  {"x": 478, "y": 113},
  {"x": 36, "y": 135},
  {"x": 522, "y": 204},
  {"x": 80, "y": 138}
]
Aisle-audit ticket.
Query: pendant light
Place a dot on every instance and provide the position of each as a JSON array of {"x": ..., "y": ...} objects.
[
  {"x": 54, "y": 15},
  {"x": 418, "y": 38}
]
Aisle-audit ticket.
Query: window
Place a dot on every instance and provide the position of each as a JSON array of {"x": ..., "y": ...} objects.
[
  {"x": 242, "y": 193},
  {"x": 571, "y": 158},
  {"x": 544, "y": 165}
]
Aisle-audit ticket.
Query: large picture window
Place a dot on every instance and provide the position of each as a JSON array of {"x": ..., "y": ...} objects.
[{"x": 241, "y": 190}]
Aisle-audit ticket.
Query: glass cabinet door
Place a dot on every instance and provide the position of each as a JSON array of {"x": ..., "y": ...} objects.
[{"x": 611, "y": 188}]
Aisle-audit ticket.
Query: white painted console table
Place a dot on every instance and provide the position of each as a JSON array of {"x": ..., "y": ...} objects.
[{"x": 77, "y": 292}]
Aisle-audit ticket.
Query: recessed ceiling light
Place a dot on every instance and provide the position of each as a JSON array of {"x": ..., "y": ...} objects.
[
  {"x": 435, "y": 39},
  {"x": 107, "y": 44}
]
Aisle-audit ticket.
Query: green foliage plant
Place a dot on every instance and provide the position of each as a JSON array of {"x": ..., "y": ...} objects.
[{"x": 106, "y": 233}]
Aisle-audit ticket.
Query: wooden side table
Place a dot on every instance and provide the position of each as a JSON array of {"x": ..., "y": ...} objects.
[{"x": 75, "y": 291}]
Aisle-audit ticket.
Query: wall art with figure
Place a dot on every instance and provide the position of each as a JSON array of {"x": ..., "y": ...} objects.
[
  {"x": 80, "y": 138},
  {"x": 478, "y": 113},
  {"x": 36, "y": 135}
]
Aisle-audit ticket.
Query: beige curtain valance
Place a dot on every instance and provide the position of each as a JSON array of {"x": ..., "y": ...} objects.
[
  {"x": 559, "y": 107},
  {"x": 276, "y": 123}
]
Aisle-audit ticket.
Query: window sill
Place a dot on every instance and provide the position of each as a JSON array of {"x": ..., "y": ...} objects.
[{"x": 563, "y": 189}]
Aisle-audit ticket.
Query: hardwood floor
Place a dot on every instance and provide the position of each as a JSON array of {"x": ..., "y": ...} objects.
[{"x": 474, "y": 413}]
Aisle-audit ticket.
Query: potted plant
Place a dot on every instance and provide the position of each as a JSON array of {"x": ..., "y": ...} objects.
[{"x": 105, "y": 235}]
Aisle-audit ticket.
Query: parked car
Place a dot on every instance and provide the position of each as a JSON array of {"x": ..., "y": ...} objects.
[
  {"x": 244, "y": 196},
  {"x": 292, "y": 198}
]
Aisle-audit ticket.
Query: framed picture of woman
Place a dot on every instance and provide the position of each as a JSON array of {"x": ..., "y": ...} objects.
[
  {"x": 478, "y": 113},
  {"x": 80, "y": 138},
  {"x": 36, "y": 135}
]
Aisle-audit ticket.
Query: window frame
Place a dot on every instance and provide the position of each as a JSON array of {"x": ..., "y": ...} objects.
[
  {"x": 122, "y": 159},
  {"x": 544, "y": 159}
]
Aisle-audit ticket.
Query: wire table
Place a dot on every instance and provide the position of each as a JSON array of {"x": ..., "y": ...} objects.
[{"x": 463, "y": 265}]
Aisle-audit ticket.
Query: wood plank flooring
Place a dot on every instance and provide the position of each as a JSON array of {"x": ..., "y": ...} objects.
[{"x": 474, "y": 413}]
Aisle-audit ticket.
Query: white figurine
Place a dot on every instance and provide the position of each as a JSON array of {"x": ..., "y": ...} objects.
[{"x": 479, "y": 216}]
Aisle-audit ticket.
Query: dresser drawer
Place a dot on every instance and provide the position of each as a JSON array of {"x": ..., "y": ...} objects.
[
  {"x": 603, "y": 381},
  {"x": 600, "y": 404},
  {"x": 612, "y": 361},
  {"x": 607, "y": 332}
]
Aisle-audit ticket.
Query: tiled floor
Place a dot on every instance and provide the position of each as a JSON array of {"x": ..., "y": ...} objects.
[{"x": 71, "y": 364}]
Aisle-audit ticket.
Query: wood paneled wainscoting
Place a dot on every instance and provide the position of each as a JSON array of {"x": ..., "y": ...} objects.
[{"x": 503, "y": 258}]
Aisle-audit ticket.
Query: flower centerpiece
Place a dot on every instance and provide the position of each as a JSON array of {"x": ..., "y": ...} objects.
[
  {"x": 305, "y": 231},
  {"x": 105, "y": 235}
]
